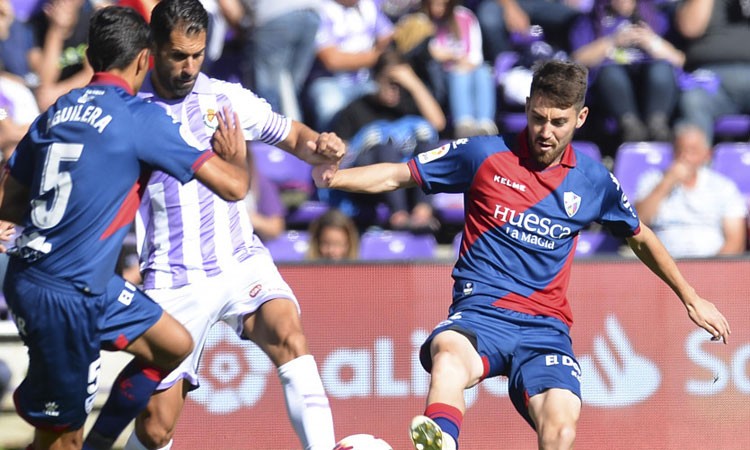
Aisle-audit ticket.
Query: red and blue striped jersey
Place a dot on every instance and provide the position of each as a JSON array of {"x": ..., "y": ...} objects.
[{"x": 521, "y": 225}]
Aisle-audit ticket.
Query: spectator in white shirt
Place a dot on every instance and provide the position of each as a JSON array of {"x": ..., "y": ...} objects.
[{"x": 694, "y": 210}]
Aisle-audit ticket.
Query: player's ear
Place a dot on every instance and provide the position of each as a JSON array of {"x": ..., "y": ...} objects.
[
  {"x": 143, "y": 60},
  {"x": 582, "y": 115}
]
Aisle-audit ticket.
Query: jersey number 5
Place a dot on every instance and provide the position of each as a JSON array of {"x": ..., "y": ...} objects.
[{"x": 57, "y": 181}]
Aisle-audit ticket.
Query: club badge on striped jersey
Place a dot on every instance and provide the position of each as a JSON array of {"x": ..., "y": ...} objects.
[
  {"x": 572, "y": 202},
  {"x": 210, "y": 118}
]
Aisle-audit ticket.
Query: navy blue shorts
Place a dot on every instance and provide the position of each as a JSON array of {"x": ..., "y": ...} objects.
[
  {"x": 64, "y": 330},
  {"x": 534, "y": 352}
]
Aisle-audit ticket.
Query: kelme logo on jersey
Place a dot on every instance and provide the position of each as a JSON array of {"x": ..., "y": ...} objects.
[
  {"x": 572, "y": 202},
  {"x": 51, "y": 409}
]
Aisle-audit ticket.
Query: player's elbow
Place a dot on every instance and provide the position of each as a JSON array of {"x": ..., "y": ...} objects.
[
  {"x": 231, "y": 185},
  {"x": 235, "y": 191}
]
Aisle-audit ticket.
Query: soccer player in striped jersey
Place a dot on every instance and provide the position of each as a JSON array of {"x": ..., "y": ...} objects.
[
  {"x": 73, "y": 184},
  {"x": 525, "y": 205},
  {"x": 201, "y": 260}
]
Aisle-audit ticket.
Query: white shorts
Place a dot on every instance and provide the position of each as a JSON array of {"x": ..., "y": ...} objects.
[{"x": 227, "y": 297}]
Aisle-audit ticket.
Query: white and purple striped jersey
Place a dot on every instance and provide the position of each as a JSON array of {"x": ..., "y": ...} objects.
[{"x": 185, "y": 232}]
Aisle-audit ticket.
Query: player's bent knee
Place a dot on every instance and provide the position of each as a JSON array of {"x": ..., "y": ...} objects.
[
  {"x": 180, "y": 346},
  {"x": 295, "y": 342},
  {"x": 290, "y": 346},
  {"x": 153, "y": 433},
  {"x": 184, "y": 347},
  {"x": 557, "y": 436}
]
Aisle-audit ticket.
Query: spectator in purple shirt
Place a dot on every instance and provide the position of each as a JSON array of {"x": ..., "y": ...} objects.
[{"x": 631, "y": 64}]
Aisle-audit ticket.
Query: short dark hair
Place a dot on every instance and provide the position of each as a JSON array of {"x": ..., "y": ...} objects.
[
  {"x": 116, "y": 35},
  {"x": 167, "y": 15},
  {"x": 389, "y": 58},
  {"x": 563, "y": 83}
]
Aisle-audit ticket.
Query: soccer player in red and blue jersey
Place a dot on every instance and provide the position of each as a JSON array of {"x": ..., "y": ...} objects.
[
  {"x": 524, "y": 207},
  {"x": 73, "y": 184}
]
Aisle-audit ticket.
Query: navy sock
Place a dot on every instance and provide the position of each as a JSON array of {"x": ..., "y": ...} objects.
[
  {"x": 130, "y": 394},
  {"x": 447, "y": 417}
]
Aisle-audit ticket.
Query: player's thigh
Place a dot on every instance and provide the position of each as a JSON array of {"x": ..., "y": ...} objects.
[
  {"x": 164, "y": 344},
  {"x": 555, "y": 406},
  {"x": 135, "y": 323},
  {"x": 197, "y": 306},
  {"x": 454, "y": 356},
  {"x": 262, "y": 307},
  {"x": 544, "y": 365},
  {"x": 274, "y": 321}
]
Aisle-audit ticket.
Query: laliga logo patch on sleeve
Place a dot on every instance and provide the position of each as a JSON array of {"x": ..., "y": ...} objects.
[{"x": 434, "y": 154}]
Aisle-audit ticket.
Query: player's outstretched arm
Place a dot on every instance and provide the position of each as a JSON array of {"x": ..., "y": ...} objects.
[
  {"x": 229, "y": 175},
  {"x": 703, "y": 313},
  {"x": 313, "y": 147},
  {"x": 373, "y": 179}
]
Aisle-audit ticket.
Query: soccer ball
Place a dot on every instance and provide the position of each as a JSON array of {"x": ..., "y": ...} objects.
[{"x": 362, "y": 442}]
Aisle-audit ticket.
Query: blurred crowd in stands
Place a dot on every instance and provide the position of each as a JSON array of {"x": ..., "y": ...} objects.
[{"x": 669, "y": 97}]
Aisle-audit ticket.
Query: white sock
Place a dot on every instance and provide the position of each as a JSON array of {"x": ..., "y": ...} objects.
[
  {"x": 307, "y": 403},
  {"x": 134, "y": 444}
]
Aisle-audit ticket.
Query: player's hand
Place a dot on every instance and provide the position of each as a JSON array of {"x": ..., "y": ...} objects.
[
  {"x": 323, "y": 174},
  {"x": 7, "y": 230},
  {"x": 228, "y": 141},
  {"x": 328, "y": 147},
  {"x": 707, "y": 316}
]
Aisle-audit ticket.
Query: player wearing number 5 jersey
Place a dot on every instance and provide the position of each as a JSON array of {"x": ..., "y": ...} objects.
[
  {"x": 525, "y": 205},
  {"x": 201, "y": 261},
  {"x": 73, "y": 183}
]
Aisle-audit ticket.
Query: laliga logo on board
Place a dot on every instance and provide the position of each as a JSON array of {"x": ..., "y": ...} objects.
[
  {"x": 235, "y": 374},
  {"x": 232, "y": 376}
]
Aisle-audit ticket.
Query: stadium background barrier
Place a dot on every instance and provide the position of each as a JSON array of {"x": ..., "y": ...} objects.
[{"x": 651, "y": 379}]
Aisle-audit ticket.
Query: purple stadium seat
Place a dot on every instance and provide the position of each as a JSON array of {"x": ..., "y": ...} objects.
[
  {"x": 634, "y": 158},
  {"x": 591, "y": 243},
  {"x": 511, "y": 122},
  {"x": 290, "y": 246},
  {"x": 305, "y": 213},
  {"x": 732, "y": 126},
  {"x": 733, "y": 160},
  {"x": 456, "y": 244},
  {"x": 588, "y": 148},
  {"x": 449, "y": 208},
  {"x": 287, "y": 171},
  {"x": 396, "y": 245},
  {"x": 503, "y": 63}
]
